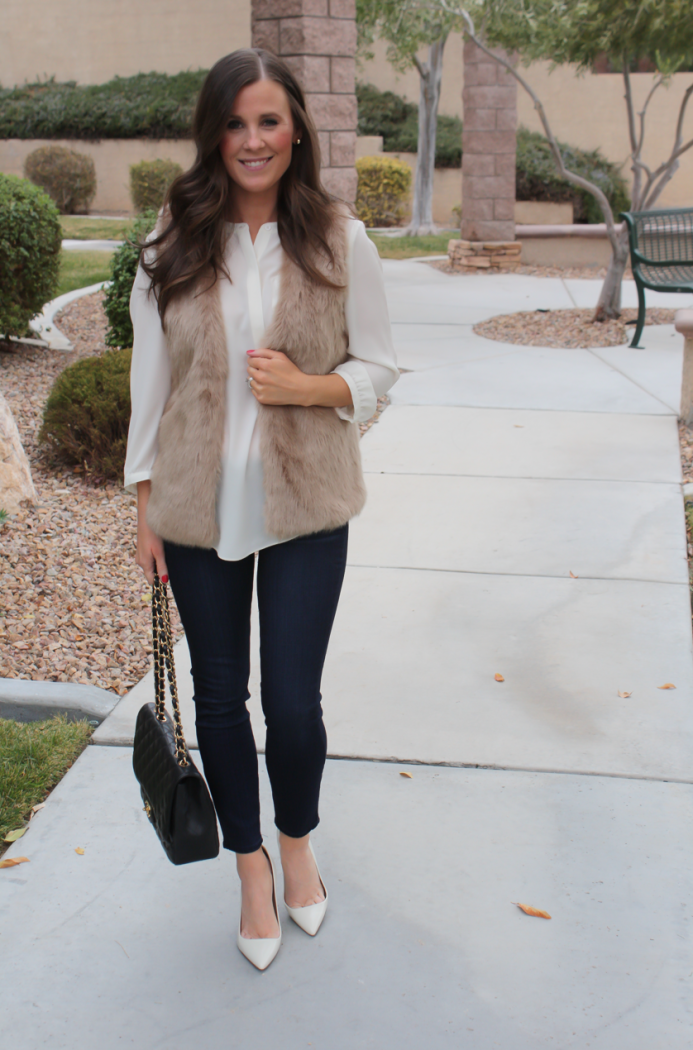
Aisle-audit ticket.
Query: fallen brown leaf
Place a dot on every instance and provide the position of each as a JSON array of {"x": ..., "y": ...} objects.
[
  {"x": 80, "y": 850},
  {"x": 12, "y": 836},
  {"x": 407, "y": 775},
  {"x": 528, "y": 910},
  {"x": 573, "y": 576},
  {"x": 624, "y": 693},
  {"x": 499, "y": 677},
  {"x": 667, "y": 685},
  {"x": 10, "y": 862}
]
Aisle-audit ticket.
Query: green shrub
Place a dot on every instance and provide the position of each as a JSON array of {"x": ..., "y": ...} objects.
[
  {"x": 30, "y": 239},
  {"x": 149, "y": 181},
  {"x": 87, "y": 414},
  {"x": 384, "y": 183},
  {"x": 384, "y": 113},
  {"x": 538, "y": 180},
  {"x": 123, "y": 271},
  {"x": 148, "y": 105},
  {"x": 68, "y": 177}
]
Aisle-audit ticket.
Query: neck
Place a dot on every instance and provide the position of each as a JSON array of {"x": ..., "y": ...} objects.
[{"x": 255, "y": 209}]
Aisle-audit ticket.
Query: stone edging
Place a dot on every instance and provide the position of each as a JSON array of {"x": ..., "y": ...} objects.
[{"x": 43, "y": 325}]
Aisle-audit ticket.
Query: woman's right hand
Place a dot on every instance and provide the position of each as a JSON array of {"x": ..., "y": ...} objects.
[{"x": 150, "y": 547}]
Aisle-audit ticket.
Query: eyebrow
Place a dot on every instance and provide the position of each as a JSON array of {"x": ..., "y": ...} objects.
[{"x": 235, "y": 116}]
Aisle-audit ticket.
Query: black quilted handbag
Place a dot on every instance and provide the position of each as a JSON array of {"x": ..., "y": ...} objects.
[{"x": 174, "y": 793}]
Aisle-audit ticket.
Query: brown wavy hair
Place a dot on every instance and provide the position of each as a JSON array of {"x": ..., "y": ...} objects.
[{"x": 191, "y": 232}]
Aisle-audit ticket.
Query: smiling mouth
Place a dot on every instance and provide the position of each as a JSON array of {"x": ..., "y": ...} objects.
[{"x": 256, "y": 165}]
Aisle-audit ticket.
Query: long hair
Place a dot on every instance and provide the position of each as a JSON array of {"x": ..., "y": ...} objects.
[{"x": 191, "y": 243}]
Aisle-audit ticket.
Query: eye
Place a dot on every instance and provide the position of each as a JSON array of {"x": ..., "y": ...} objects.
[
  {"x": 234, "y": 124},
  {"x": 270, "y": 122}
]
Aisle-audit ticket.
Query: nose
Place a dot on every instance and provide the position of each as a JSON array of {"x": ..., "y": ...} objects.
[{"x": 254, "y": 139}]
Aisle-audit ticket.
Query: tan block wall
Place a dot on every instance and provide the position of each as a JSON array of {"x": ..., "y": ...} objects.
[
  {"x": 92, "y": 41},
  {"x": 112, "y": 159}
]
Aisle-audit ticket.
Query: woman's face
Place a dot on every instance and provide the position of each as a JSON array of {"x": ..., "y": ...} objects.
[{"x": 256, "y": 146}]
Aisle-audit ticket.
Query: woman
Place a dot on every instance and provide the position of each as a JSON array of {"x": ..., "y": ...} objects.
[{"x": 261, "y": 340}]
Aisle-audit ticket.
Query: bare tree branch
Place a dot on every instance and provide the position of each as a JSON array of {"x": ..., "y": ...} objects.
[{"x": 421, "y": 69}]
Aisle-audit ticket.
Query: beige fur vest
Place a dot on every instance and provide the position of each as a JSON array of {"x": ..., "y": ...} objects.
[{"x": 310, "y": 457}]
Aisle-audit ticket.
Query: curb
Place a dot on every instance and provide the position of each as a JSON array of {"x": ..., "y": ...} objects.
[
  {"x": 43, "y": 325},
  {"x": 27, "y": 701}
]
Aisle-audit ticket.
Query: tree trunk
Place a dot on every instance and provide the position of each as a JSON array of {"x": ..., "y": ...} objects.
[
  {"x": 609, "y": 305},
  {"x": 430, "y": 76}
]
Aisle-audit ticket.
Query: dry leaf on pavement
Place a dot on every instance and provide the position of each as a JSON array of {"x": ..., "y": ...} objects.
[
  {"x": 573, "y": 576},
  {"x": 499, "y": 677},
  {"x": 12, "y": 836},
  {"x": 80, "y": 850},
  {"x": 624, "y": 693},
  {"x": 10, "y": 862},
  {"x": 528, "y": 910},
  {"x": 667, "y": 685},
  {"x": 407, "y": 775}
]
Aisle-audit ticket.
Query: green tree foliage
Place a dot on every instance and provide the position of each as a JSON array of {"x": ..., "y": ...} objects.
[
  {"x": 579, "y": 31},
  {"x": 123, "y": 270},
  {"x": 30, "y": 242},
  {"x": 148, "y": 105},
  {"x": 387, "y": 114},
  {"x": 87, "y": 414}
]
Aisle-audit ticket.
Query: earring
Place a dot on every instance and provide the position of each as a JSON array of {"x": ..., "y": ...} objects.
[{"x": 298, "y": 142}]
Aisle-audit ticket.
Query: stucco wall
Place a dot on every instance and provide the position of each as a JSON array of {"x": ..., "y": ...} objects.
[{"x": 93, "y": 40}]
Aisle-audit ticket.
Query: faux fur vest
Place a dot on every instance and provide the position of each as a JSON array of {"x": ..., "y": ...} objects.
[{"x": 310, "y": 457}]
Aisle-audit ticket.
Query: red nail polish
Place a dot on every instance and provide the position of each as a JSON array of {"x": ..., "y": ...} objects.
[{"x": 164, "y": 579}]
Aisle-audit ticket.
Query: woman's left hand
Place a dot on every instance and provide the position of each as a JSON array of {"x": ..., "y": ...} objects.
[{"x": 276, "y": 380}]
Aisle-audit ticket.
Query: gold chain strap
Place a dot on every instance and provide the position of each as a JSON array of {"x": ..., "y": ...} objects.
[{"x": 162, "y": 644}]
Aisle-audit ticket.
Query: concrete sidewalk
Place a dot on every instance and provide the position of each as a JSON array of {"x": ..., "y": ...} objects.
[{"x": 497, "y": 472}]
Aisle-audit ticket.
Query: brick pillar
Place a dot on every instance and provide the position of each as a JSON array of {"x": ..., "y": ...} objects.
[
  {"x": 489, "y": 101},
  {"x": 317, "y": 39}
]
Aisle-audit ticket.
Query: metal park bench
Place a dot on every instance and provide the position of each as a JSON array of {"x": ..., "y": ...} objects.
[{"x": 661, "y": 254}]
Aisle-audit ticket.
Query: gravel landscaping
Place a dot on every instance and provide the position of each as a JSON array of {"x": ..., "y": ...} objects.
[
  {"x": 568, "y": 329},
  {"x": 75, "y": 606}
]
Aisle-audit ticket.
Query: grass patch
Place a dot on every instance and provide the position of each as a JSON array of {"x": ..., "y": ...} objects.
[
  {"x": 34, "y": 756},
  {"x": 82, "y": 228},
  {"x": 80, "y": 269},
  {"x": 412, "y": 247}
]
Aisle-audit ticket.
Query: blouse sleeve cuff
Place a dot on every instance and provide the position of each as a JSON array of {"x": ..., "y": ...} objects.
[
  {"x": 132, "y": 478},
  {"x": 363, "y": 395}
]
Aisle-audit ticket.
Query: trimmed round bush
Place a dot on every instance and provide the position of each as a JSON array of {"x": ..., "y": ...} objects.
[
  {"x": 68, "y": 177},
  {"x": 87, "y": 414},
  {"x": 149, "y": 181},
  {"x": 30, "y": 239},
  {"x": 383, "y": 188},
  {"x": 123, "y": 271}
]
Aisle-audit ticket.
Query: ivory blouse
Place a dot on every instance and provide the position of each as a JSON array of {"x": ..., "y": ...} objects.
[{"x": 248, "y": 302}]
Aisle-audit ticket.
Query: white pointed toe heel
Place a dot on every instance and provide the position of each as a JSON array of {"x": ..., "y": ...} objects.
[
  {"x": 260, "y": 951},
  {"x": 309, "y": 918}
]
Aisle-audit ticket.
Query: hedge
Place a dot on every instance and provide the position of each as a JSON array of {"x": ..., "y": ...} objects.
[
  {"x": 30, "y": 242},
  {"x": 538, "y": 180},
  {"x": 148, "y": 105},
  {"x": 384, "y": 113},
  {"x": 383, "y": 185},
  {"x": 124, "y": 263},
  {"x": 68, "y": 177},
  {"x": 87, "y": 415}
]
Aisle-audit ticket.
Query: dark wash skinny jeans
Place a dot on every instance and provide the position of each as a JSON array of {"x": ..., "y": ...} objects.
[{"x": 298, "y": 588}]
